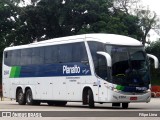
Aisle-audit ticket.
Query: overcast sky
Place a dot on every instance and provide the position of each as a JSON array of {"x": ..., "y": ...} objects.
[{"x": 153, "y": 5}]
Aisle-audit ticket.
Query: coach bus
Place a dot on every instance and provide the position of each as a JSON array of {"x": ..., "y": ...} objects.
[{"x": 89, "y": 68}]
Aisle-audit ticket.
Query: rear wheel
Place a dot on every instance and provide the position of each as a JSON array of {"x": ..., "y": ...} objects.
[
  {"x": 29, "y": 98},
  {"x": 125, "y": 105},
  {"x": 21, "y": 97}
]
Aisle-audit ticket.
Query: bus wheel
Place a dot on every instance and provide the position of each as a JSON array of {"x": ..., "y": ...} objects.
[
  {"x": 29, "y": 97},
  {"x": 21, "y": 97},
  {"x": 90, "y": 99},
  {"x": 125, "y": 105}
]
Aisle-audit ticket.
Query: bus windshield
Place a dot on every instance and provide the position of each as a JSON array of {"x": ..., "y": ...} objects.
[{"x": 129, "y": 66}]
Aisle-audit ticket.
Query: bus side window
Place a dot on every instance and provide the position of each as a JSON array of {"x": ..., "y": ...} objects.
[
  {"x": 65, "y": 53},
  {"x": 6, "y": 54},
  {"x": 101, "y": 68},
  {"x": 15, "y": 57},
  {"x": 7, "y": 58},
  {"x": 26, "y": 55},
  {"x": 38, "y": 55},
  {"x": 98, "y": 60},
  {"x": 79, "y": 53},
  {"x": 51, "y": 54}
]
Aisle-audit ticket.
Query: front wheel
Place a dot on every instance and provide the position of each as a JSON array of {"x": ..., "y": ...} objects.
[
  {"x": 90, "y": 99},
  {"x": 125, "y": 105}
]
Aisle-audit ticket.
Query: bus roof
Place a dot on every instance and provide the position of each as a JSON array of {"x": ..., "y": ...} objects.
[{"x": 99, "y": 37}]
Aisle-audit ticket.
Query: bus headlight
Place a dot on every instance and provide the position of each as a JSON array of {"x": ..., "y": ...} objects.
[{"x": 115, "y": 90}]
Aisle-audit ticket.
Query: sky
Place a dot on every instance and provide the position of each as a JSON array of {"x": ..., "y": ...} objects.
[{"x": 153, "y": 5}]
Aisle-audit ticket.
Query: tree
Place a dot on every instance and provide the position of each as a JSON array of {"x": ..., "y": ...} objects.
[
  {"x": 154, "y": 48},
  {"x": 7, "y": 25},
  {"x": 126, "y": 5},
  {"x": 147, "y": 19}
]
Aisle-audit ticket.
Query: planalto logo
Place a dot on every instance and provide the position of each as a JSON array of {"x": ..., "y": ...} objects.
[{"x": 71, "y": 70}]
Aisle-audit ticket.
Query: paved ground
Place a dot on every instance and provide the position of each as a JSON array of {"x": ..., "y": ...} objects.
[{"x": 154, "y": 105}]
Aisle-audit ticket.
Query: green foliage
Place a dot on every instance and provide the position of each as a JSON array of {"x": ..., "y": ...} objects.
[
  {"x": 154, "y": 49},
  {"x": 45, "y": 19}
]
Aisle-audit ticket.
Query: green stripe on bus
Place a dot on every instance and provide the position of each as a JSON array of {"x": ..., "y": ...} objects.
[
  {"x": 119, "y": 87},
  {"x": 15, "y": 72}
]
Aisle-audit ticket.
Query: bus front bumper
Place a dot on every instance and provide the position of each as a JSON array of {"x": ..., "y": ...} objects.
[{"x": 128, "y": 97}]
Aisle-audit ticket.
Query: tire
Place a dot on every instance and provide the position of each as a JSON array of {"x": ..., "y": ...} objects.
[
  {"x": 125, "y": 105},
  {"x": 29, "y": 98},
  {"x": 90, "y": 99},
  {"x": 20, "y": 97}
]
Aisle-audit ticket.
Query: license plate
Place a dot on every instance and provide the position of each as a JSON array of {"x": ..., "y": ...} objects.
[{"x": 133, "y": 98}]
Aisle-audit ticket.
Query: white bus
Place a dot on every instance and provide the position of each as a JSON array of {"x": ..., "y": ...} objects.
[{"x": 90, "y": 68}]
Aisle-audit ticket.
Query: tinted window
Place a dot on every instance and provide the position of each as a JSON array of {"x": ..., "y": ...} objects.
[
  {"x": 51, "y": 54},
  {"x": 7, "y": 58},
  {"x": 15, "y": 57},
  {"x": 38, "y": 55},
  {"x": 101, "y": 68},
  {"x": 26, "y": 57},
  {"x": 94, "y": 47},
  {"x": 65, "y": 53},
  {"x": 74, "y": 52},
  {"x": 99, "y": 60},
  {"x": 79, "y": 53}
]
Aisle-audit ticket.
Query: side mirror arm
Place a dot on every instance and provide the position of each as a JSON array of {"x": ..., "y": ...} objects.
[
  {"x": 107, "y": 56},
  {"x": 155, "y": 60}
]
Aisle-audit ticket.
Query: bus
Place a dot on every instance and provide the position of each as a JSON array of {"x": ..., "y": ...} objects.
[{"x": 88, "y": 68}]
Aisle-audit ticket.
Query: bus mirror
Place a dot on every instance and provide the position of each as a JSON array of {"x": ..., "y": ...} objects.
[
  {"x": 108, "y": 58},
  {"x": 155, "y": 60}
]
